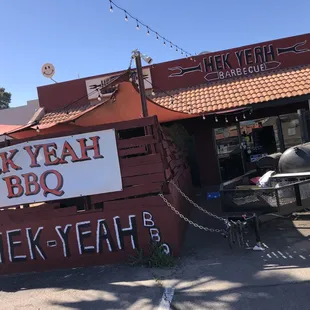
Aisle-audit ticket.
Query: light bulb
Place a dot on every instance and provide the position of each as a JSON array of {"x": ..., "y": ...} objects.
[
  {"x": 130, "y": 79},
  {"x": 170, "y": 45},
  {"x": 137, "y": 27},
  {"x": 226, "y": 120},
  {"x": 126, "y": 17},
  {"x": 176, "y": 49},
  {"x": 236, "y": 118},
  {"x": 164, "y": 42},
  {"x": 203, "y": 117},
  {"x": 244, "y": 116},
  {"x": 157, "y": 36},
  {"x": 99, "y": 98},
  {"x": 153, "y": 93},
  {"x": 182, "y": 52},
  {"x": 216, "y": 119},
  {"x": 37, "y": 129},
  {"x": 111, "y": 8},
  {"x": 148, "y": 32}
]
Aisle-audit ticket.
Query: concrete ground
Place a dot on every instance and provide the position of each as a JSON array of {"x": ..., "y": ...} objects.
[{"x": 208, "y": 276}]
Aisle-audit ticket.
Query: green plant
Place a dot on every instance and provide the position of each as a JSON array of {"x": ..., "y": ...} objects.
[{"x": 157, "y": 258}]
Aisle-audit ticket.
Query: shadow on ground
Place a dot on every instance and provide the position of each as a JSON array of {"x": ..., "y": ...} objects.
[{"x": 208, "y": 276}]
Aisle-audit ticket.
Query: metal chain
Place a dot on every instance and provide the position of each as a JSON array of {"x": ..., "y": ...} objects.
[
  {"x": 196, "y": 205},
  {"x": 222, "y": 231}
]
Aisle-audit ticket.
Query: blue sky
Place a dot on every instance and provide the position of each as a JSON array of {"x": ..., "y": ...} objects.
[{"x": 83, "y": 38}]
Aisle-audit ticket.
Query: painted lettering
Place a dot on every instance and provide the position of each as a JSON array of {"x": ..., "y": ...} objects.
[
  {"x": 50, "y": 154},
  {"x": 218, "y": 62},
  {"x": 123, "y": 232},
  {"x": 33, "y": 154},
  {"x": 64, "y": 237},
  {"x": 103, "y": 233},
  {"x": 226, "y": 63},
  {"x": 68, "y": 151},
  {"x": 34, "y": 243},
  {"x": 57, "y": 190},
  {"x": 7, "y": 161},
  {"x": 258, "y": 54},
  {"x": 155, "y": 235},
  {"x": 239, "y": 56},
  {"x": 13, "y": 184},
  {"x": 269, "y": 54},
  {"x": 31, "y": 184},
  {"x": 166, "y": 248},
  {"x": 248, "y": 56},
  {"x": 86, "y": 148},
  {"x": 209, "y": 66},
  {"x": 12, "y": 245},
  {"x": 81, "y": 235},
  {"x": 147, "y": 219},
  {"x": 221, "y": 75},
  {"x": 16, "y": 188}
]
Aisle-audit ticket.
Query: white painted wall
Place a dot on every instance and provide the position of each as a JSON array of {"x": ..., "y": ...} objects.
[{"x": 19, "y": 115}]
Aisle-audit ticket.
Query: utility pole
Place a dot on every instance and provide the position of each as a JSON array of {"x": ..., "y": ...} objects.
[{"x": 137, "y": 56}]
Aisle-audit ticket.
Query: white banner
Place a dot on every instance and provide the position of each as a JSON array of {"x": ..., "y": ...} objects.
[{"x": 59, "y": 168}]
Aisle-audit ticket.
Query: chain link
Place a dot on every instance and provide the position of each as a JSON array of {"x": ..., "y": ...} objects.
[
  {"x": 188, "y": 220},
  {"x": 198, "y": 207}
]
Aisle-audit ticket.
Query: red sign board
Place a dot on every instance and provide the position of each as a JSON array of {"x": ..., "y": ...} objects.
[{"x": 237, "y": 62}]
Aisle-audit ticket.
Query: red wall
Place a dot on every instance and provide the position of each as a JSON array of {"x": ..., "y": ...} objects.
[
  {"x": 162, "y": 81},
  {"x": 20, "y": 252}
]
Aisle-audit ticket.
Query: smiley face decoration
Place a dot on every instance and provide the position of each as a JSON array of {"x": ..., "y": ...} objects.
[{"x": 48, "y": 70}]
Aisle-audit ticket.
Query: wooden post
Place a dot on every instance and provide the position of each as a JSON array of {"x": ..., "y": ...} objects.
[{"x": 242, "y": 151}]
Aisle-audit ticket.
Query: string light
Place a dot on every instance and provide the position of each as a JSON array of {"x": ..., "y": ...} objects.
[
  {"x": 99, "y": 98},
  {"x": 244, "y": 116},
  {"x": 113, "y": 5},
  {"x": 236, "y": 118},
  {"x": 216, "y": 119},
  {"x": 164, "y": 42},
  {"x": 226, "y": 120},
  {"x": 153, "y": 93},
  {"x": 203, "y": 117}
]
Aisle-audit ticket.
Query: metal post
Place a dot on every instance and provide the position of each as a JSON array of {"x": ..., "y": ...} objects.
[
  {"x": 297, "y": 195},
  {"x": 137, "y": 57},
  {"x": 280, "y": 134},
  {"x": 242, "y": 151},
  {"x": 302, "y": 125}
]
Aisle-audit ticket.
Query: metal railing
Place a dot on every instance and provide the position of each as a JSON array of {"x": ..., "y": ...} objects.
[{"x": 265, "y": 200}]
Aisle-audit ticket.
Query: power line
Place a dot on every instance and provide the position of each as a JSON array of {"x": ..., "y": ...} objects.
[{"x": 149, "y": 30}]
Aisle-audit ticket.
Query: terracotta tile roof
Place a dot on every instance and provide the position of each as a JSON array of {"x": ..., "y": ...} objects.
[
  {"x": 216, "y": 96},
  {"x": 69, "y": 113}
]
